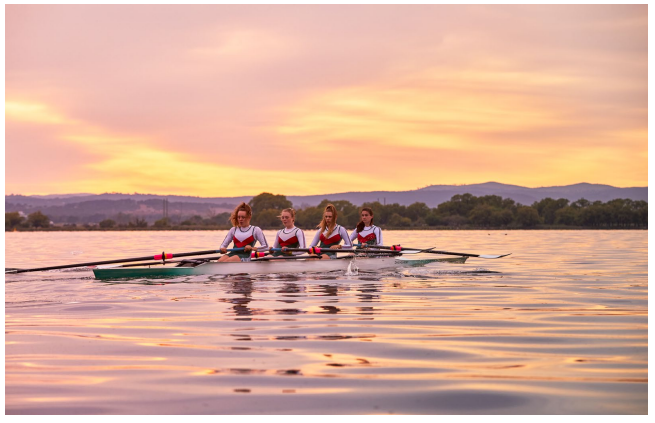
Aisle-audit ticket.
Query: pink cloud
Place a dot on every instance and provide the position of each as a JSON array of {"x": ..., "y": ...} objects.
[{"x": 216, "y": 83}]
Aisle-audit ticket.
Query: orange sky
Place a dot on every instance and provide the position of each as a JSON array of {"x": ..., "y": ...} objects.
[{"x": 235, "y": 100}]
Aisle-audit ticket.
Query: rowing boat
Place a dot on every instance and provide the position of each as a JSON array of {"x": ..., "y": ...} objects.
[
  {"x": 369, "y": 258},
  {"x": 258, "y": 267}
]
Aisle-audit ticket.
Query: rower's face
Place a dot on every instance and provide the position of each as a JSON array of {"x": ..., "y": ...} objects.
[
  {"x": 243, "y": 219},
  {"x": 286, "y": 219},
  {"x": 366, "y": 218},
  {"x": 328, "y": 217}
]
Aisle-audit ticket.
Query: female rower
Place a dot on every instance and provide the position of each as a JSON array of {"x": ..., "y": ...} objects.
[
  {"x": 330, "y": 234},
  {"x": 243, "y": 234},
  {"x": 366, "y": 232},
  {"x": 289, "y": 236}
]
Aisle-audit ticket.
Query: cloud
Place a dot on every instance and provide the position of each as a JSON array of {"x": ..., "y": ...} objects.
[
  {"x": 247, "y": 98},
  {"x": 33, "y": 113}
]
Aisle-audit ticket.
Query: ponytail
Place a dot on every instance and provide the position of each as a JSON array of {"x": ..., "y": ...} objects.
[{"x": 323, "y": 225}]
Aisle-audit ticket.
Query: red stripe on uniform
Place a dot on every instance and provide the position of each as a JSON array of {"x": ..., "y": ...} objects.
[
  {"x": 292, "y": 240},
  {"x": 365, "y": 239},
  {"x": 247, "y": 241},
  {"x": 332, "y": 240}
]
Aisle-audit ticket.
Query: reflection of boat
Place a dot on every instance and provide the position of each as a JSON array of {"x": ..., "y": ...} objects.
[{"x": 299, "y": 265}]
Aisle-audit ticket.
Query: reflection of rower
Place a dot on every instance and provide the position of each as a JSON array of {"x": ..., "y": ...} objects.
[
  {"x": 330, "y": 234},
  {"x": 243, "y": 234},
  {"x": 289, "y": 236},
  {"x": 366, "y": 232},
  {"x": 240, "y": 306}
]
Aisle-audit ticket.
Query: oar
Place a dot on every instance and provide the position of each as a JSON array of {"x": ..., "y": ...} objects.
[
  {"x": 154, "y": 263},
  {"x": 318, "y": 250},
  {"x": 163, "y": 257},
  {"x": 431, "y": 251},
  {"x": 270, "y": 258},
  {"x": 363, "y": 247}
]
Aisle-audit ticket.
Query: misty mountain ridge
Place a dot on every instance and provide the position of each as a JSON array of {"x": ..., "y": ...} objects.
[
  {"x": 75, "y": 208},
  {"x": 432, "y": 195}
]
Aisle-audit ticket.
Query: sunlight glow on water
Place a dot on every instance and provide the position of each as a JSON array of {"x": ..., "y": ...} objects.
[{"x": 558, "y": 327}]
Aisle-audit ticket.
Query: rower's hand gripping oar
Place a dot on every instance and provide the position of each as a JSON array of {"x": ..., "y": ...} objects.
[
  {"x": 432, "y": 251},
  {"x": 257, "y": 256},
  {"x": 319, "y": 250},
  {"x": 163, "y": 257}
]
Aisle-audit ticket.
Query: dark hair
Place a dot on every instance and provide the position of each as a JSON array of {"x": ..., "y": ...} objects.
[{"x": 360, "y": 225}]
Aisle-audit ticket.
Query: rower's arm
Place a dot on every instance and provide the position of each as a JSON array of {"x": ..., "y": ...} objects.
[
  {"x": 276, "y": 244},
  {"x": 317, "y": 237},
  {"x": 379, "y": 236},
  {"x": 353, "y": 235},
  {"x": 228, "y": 238},
  {"x": 259, "y": 236},
  {"x": 347, "y": 244},
  {"x": 301, "y": 239},
  {"x": 301, "y": 242}
]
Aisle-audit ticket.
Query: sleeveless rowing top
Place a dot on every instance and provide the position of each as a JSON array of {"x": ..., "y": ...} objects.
[
  {"x": 242, "y": 237},
  {"x": 371, "y": 235},
  {"x": 338, "y": 234},
  {"x": 295, "y": 238}
]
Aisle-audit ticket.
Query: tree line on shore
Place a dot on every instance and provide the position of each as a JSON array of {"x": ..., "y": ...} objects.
[{"x": 463, "y": 211}]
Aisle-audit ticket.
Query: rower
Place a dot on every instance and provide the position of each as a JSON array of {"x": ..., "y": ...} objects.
[
  {"x": 366, "y": 232},
  {"x": 244, "y": 236},
  {"x": 289, "y": 236},
  {"x": 330, "y": 234}
]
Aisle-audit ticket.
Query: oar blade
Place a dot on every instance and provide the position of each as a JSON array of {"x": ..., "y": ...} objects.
[{"x": 489, "y": 256}]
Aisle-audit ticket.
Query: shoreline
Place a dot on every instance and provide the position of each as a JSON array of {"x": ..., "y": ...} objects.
[{"x": 226, "y": 228}]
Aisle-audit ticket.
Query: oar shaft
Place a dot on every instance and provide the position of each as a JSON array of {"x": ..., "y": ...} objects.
[
  {"x": 155, "y": 263},
  {"x": 319, "y": 250},
  {"x": 385, "y": 247},
  {"x": 431, "y": 251},
  {"x": 127, "y": 260}
]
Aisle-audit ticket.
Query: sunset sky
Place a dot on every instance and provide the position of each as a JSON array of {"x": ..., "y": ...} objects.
[{"x": 235, "y": 100}]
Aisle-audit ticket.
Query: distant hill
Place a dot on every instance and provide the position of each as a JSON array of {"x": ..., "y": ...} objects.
[
  {"x": 75, "y": 208},
  {"x": 434, "y": 195}
]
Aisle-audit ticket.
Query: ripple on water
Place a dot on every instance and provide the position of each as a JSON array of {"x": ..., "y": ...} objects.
[{"x": 548, "y": 330}]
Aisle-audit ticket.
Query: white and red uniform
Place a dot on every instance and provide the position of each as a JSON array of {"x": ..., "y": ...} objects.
[
  {"x": 371, "y": 235},
  {"x": 245, "y": 237},
  {"x": 338, "y": 234},
  {"x": 292, "y": 238}
]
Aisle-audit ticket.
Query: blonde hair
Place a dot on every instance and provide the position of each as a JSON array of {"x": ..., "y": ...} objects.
[
  {"x": 237, "y": 209},
  {"x": 292, "y": 212},
  {"x": 323, "y": 225}
]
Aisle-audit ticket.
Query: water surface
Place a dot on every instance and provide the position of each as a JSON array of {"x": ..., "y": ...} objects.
[{"x": 558, "y": 327}]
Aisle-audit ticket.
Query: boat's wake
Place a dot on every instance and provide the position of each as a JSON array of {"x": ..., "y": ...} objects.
[
  {"x": 421, "y": 272},
  {"x": 353, "y": 269}
]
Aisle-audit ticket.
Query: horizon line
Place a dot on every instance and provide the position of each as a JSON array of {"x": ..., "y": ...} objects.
[{"x": 332, "y": 193}]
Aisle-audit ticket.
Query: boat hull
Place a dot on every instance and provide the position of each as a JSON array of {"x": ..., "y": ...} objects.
[{"x": 261, "y": 267}]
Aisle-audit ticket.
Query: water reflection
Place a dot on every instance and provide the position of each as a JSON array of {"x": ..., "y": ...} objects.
[
  {"x": 549, "y": 335},
  {"x": 330, "y": 309},
  {"x": 328, "y": 290},
  {"x": 288, "y": 311},
  {"x": 243, "y": 287},
  {"x": 368, "y": 293},
  {"x": 290, "y": 288},
  {"x": 366, "y": 310}
]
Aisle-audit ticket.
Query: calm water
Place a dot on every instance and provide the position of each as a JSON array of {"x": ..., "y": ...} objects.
[{"x": 561, "y": 328}]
